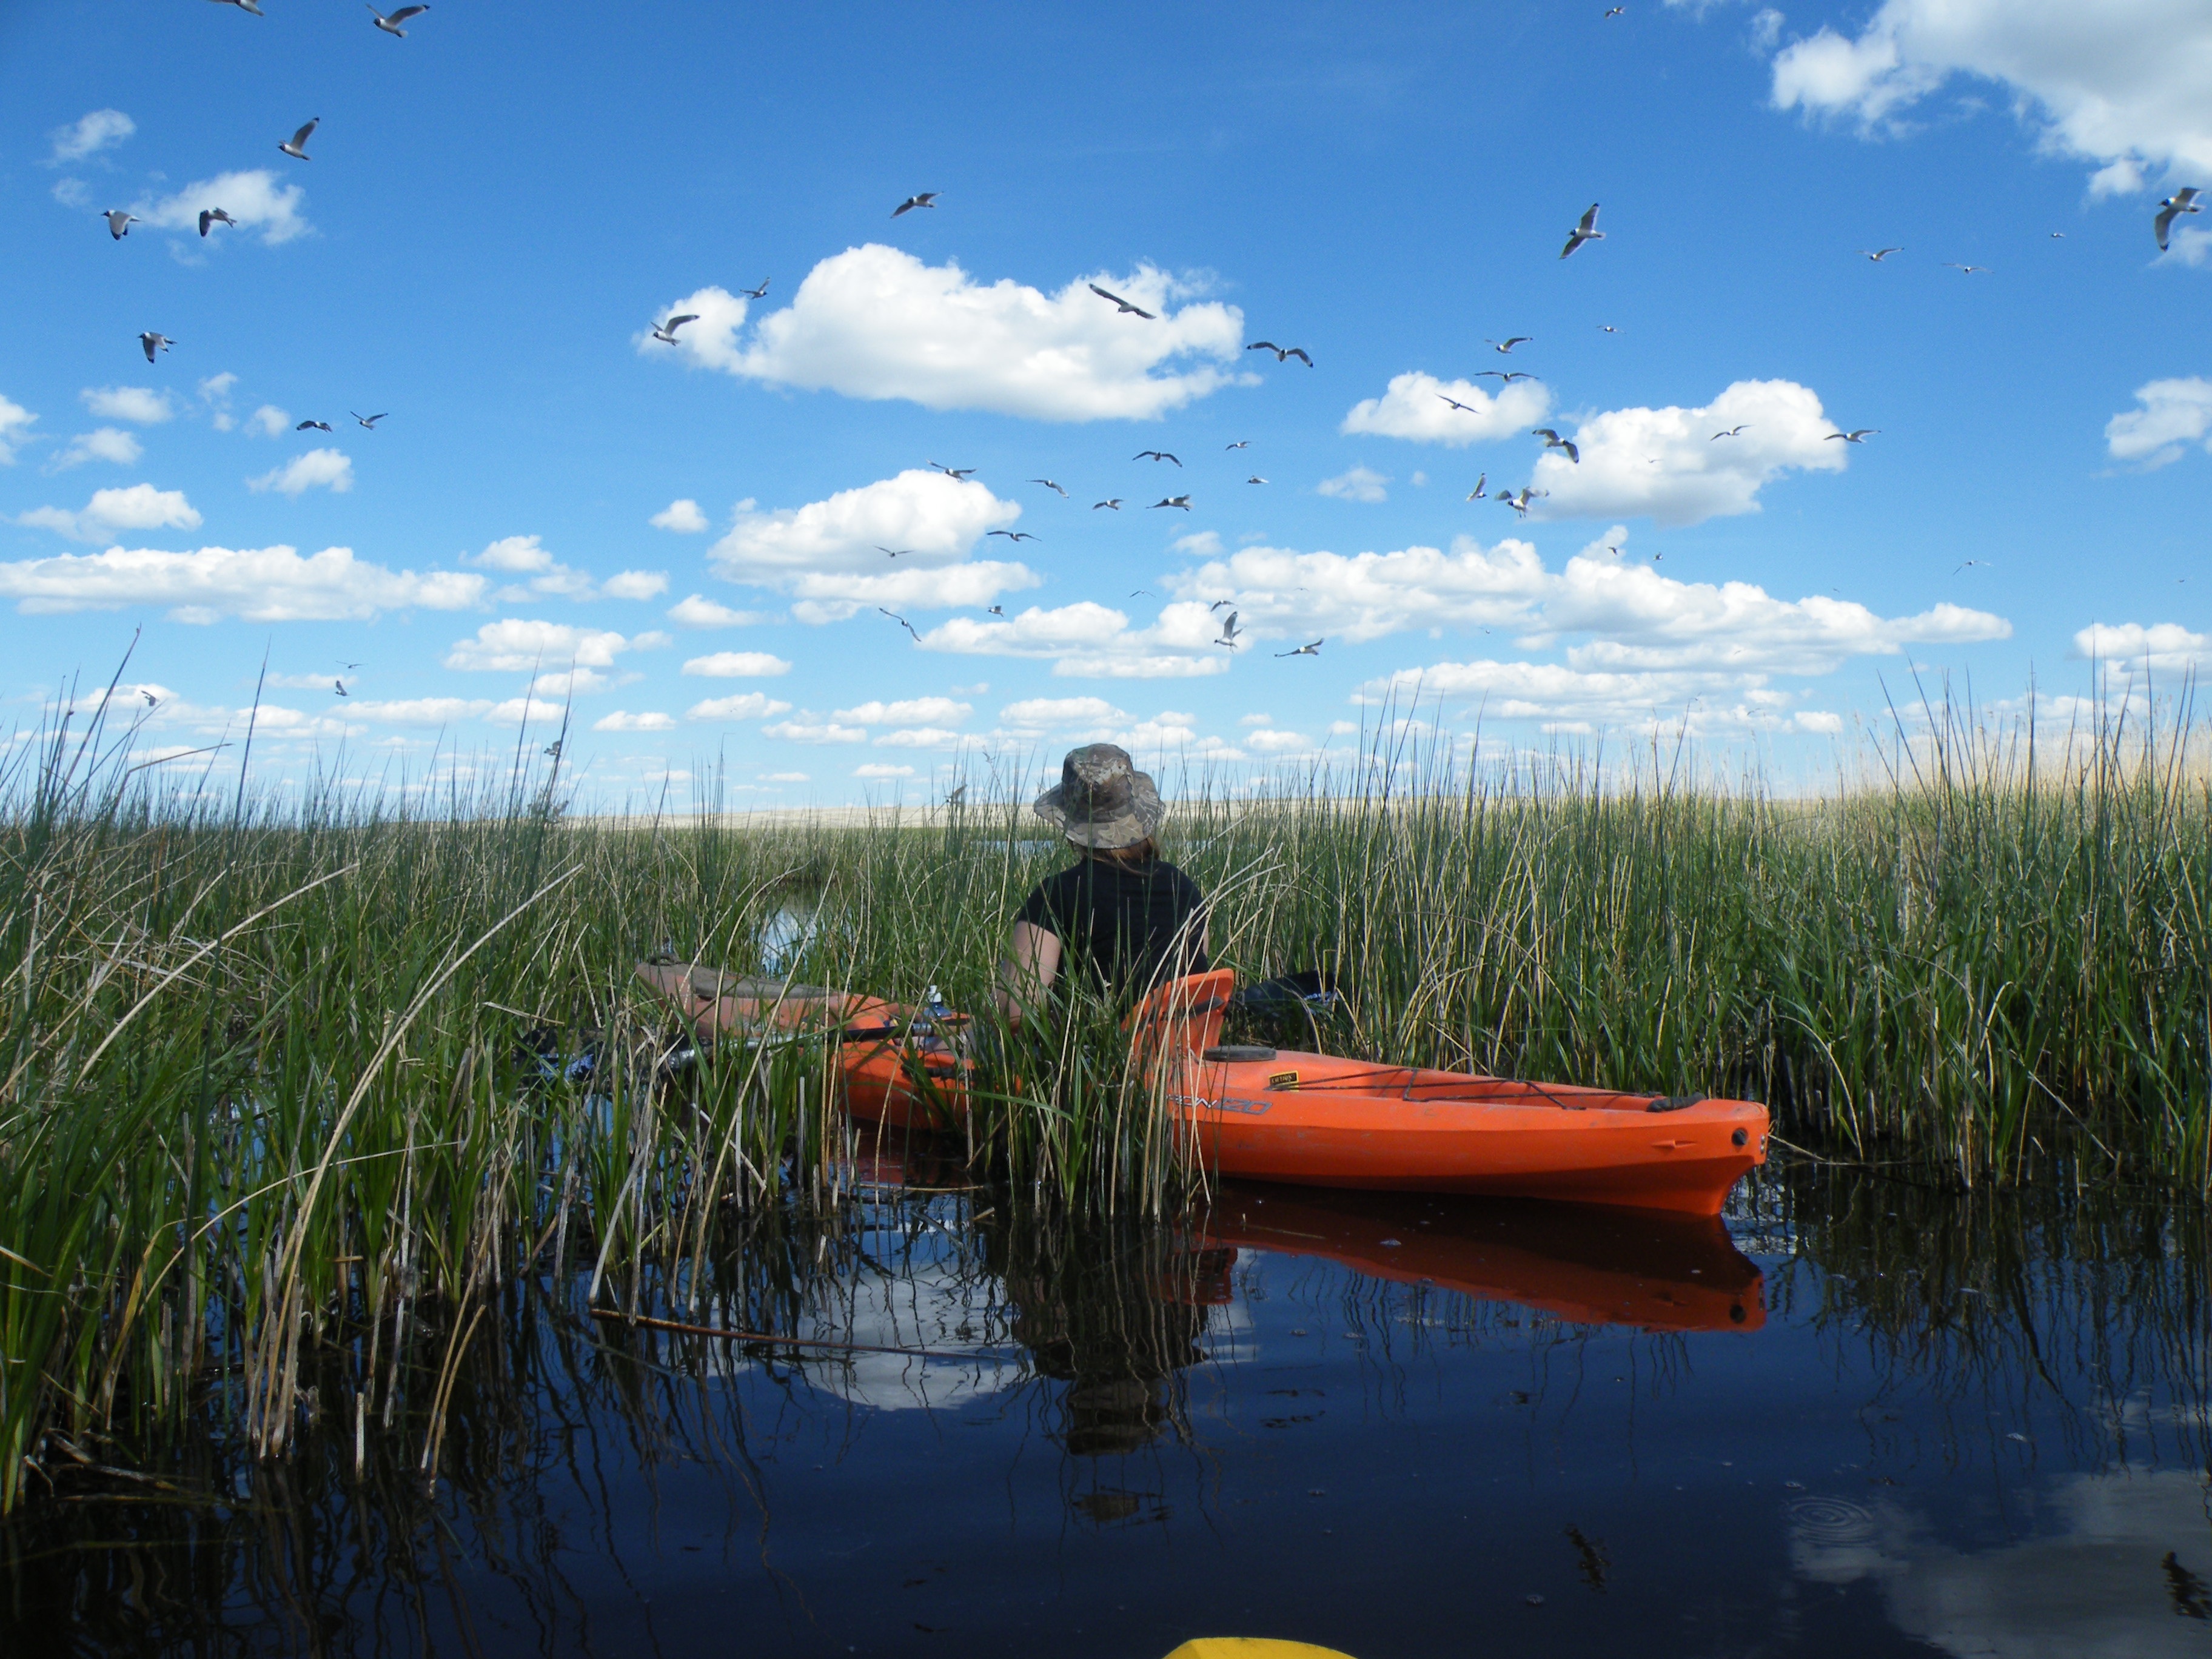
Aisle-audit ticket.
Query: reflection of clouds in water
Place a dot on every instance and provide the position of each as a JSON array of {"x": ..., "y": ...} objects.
[
  {"x": 928, "y": 1306},
  {"x": 2092, "y": 1582}
]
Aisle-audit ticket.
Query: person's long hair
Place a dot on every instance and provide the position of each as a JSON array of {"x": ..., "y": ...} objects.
[{"x": 1135, "y": 856}]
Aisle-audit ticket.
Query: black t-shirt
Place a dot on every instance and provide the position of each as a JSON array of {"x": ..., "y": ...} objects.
[{"x": 1121, "y": 924}]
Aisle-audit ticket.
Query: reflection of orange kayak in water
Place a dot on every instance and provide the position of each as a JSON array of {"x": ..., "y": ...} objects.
[
  {"x": 1311, "y": 1120},
  {"x": 1662, "y": 1273}
]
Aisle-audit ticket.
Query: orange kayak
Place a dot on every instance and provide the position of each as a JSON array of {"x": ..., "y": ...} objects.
[{"x": 1284, "y": 1115}]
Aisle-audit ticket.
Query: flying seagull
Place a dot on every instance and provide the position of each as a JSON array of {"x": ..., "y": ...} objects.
[
  {"x": 1505, "y": 377},
  {"x": 151, "y": 700},
  {"x": 957, "y": 473},
  {"x": 1953, "y": 265},
  {"x": 348, "y": 666},
  {"x": 1154, "y": 455},
  {"x": 1520, "y": 503},
  {"x": 1505, "y": 346},
  {"x": 1182, "y": 502},
  {"x": 1312, "y": 650},
  {"x": 1586, "y": 231},
  {"x": 1127, "y": 310},
  {"x": 2181, "y": 201},
  {"x": 1613, "y": 11},
  {"x": 1878, "y": 254},
  {"x": 1050, "y": 485},
  {"x": 1013, "y": 535},
  {"x": 1481, "y": 484},
  {"x": 253, "y": 6},
  {"x": 1229, "y": 632},
  {"x": 893, "y": 552},
  {"x": 665, "y": 332},
  {"x": 1282, "y": 353},
  {"x": 154, "y": 342},
  {"x": 1142, "y": 593},
  {"x": 338, "y": 686},
  {"x": 926, "y": 198},
  {"x": 902, "y": 623},
  {"x": 1971, "y": 561},
  {"x": 998, "y": 610},
  {"x": 1218, "y": 603},
  {"x": 211, "y": 218},
  {"x": 119, "y": 222},
  {"x": 760, "y": 293},
  {"x": 312, "y": 426},
  {"x": 1115, "y": 504},
  {"x": 1464, "y": 409},
  {"x": 1256, "y": 478},
  {"x": 1553, "y": 440},
  {"x": 296, "y": 145},
  {"x": 1242, "y": 443},
  {"x": 1733, "y": 431},
  {"x": 1606, "y": 328},
  {"x": 391, "y": 25},
  {"x": 1858, "y": 436},
  {"x": 368, "y": 422}
]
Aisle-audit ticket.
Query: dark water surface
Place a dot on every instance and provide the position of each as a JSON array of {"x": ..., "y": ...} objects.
[{"x": 1865, "y": 1418}]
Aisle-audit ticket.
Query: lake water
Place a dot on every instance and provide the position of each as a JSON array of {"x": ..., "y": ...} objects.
[{"x": 1860, "y": 1418}]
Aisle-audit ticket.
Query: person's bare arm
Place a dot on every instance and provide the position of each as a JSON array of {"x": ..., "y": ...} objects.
[{"x": 1027, "y": 970}]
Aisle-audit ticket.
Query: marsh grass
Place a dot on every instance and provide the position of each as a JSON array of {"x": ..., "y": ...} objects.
[{"x": 285, "y": 1101}]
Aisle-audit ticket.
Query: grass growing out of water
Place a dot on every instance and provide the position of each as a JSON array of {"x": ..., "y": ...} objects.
[{"x": 270, "y": 1107}]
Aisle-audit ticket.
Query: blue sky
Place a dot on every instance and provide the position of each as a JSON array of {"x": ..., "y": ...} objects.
[{"x": 499, "y": 206}]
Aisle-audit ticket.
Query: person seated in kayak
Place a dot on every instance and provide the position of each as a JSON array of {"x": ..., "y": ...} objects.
[{"x": 1120, "y": 914}]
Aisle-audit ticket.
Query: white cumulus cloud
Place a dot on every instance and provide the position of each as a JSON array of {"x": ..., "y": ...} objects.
[
  {"x": 266, "y": 584},
  {"x": 2164, "y": 648},
  {"x": 623, "y": 720},
  {"x": 1035, "y": 716},
  {"x": 140, "y": 507},
  {"x": 881, "y": 769},
  {"x": 2174, "y": 415},
  {"x": 744, "y": 705},
  {"x": 139, "y": 403},
  {"x": 319, "y": 469},
  {"x": 527, "y": 645},
  {"x": 908, "y": 711},
  {"x": 737, "y": 665},
  {"x": 2120, "y": 83},
  {"x": 89, "y": 135},
  {"x": 269, "y": 422},
  {"x": 875, "y": 322},
  {"x": 1087, "y": 639},
  {"x": 1414, "y": 407},
  {"x": 16, "y": 423},
  {"x": 829, "y": 555},
  {"x": 635, "y": 584},
  {"x": 1360, "y": 485},
  {"x": 1666, "y": 461},
  {"x": 255, "y": 199},
  {"x": 811, "y": 731},
  {"x": 696, "y": 611},
  {"x": 107, "y": 443},
  {"x": 682, "y": 517}
]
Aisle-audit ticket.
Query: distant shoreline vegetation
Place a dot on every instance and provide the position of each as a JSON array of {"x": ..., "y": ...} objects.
[{"x": 275, "y": 1075}]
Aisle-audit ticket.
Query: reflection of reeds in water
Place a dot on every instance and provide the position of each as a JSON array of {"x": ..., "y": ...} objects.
[{"x": 2091, "y": 1309}]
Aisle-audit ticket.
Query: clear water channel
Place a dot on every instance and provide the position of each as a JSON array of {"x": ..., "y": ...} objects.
[{"x": 1857, "y": 1416}]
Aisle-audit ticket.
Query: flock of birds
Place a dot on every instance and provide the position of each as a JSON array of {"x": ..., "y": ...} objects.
[
  {"x": 1584, "y": 231},
  {"x": 153, "y": 343}
]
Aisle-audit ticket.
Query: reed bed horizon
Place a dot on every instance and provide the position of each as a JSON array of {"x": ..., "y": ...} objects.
[{"x": 294, "y": 1093}]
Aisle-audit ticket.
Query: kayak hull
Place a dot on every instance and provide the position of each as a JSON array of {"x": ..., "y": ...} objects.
[{"x": 1299, "y": 1118}]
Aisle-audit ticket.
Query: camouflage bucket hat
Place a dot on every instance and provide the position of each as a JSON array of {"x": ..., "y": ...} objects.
[{"x": 1102, "y": 800}]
